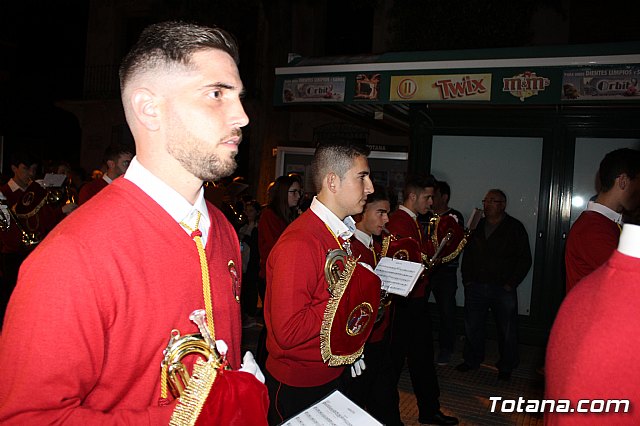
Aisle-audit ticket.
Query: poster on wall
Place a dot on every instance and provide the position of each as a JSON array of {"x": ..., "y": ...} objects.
[
  {"x": 314, "y": 89},
  {"x": 595, "y": 84},
  {"x": 449, "y": 87},
  {"x": 366, "y": 87}
]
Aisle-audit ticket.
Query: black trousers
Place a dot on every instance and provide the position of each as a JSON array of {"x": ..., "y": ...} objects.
[
  {"x": 286, "y": 401},
  {"x": 411, "y": 339}
]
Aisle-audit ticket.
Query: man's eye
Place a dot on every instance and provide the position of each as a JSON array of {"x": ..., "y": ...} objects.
[{"x": 216, "y": 94}]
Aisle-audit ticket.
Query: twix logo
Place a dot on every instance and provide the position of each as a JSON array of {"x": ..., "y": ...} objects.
[{"x": 450, "y": 88}]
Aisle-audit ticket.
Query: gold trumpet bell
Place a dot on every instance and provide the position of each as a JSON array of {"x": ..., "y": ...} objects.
[{"x": 178, "y": 348}]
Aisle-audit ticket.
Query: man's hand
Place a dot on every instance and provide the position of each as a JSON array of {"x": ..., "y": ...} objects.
[
  {"x": 358, "y": 367},
  {"x": 249, "y": 365}
]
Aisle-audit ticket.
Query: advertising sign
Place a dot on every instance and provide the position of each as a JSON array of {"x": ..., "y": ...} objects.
[
  {"x": 447, "y": 87},
  {"x": 596, "y": 84},
  {"x": 314, "y": 89}
]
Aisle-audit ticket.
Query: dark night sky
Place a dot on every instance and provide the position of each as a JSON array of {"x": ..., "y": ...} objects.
[{"x": 43, "y": 46}]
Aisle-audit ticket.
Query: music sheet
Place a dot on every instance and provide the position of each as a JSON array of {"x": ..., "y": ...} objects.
[
  {"x": 398, "y": 276},
  {"x": 334, "y": 410}
]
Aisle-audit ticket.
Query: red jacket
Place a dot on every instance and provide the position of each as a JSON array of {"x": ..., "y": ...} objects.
[
  {"x": 592, "y": 239},
  {"x": 295, "y": 302},
  {"x": 90, "y": 189},
  {"x": 94, "y": 307},
  {"x": 270, "y": 227}
]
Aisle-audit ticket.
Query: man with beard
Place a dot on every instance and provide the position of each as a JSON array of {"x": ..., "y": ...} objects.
[{"x": 96, "y": 303}]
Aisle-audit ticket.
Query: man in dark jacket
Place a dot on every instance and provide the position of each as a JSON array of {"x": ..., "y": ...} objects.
[{"x": 495, "y": 261}]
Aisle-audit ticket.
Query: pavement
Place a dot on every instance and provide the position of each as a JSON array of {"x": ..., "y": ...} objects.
[{"x": 466, "y": 395}]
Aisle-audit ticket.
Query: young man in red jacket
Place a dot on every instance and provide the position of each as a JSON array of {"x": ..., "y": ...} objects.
[
  {"x": 117, "y": 157},
  {"x": 297, "y": 294},
  {"x": 594, "y": 236},
  {"x": 411, "y": 333},
  {"x": 97, "y": 301}
]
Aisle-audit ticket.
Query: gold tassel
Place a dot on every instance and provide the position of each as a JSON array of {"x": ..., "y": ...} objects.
[
  {"x": 194, "y": 396},
  {"x": 329, "y": 313}
]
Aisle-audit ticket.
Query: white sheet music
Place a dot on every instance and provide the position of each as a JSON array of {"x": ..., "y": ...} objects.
[
  {"x": 398, "y": 276},
  {"x": 334, "y": 410}
]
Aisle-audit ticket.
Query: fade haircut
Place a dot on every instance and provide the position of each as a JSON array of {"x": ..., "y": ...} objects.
[
  {"x": 172, "y": 43},
  {"x": 417, "y": 183},
  {"x": 615, "y": 163},
  {"x": 336, "y": 157}
]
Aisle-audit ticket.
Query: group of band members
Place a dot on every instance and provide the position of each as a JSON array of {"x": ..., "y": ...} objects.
[
  {"x": 29, "y": 212},
  {"x": 150, "y": 261}
]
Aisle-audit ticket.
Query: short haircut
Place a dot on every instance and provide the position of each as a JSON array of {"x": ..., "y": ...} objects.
[
  {"x": 500, "y": 192},
  {"x": 336, "y": 157},
  {"x": 380, "y": 193},
  {"x": 615, "y": 163},
  {"x": 114, "y": 151},
  {"x": 417, "y": 184},
  {"x": 444, "y": 188},
  {"x": 171, "y": 43}
]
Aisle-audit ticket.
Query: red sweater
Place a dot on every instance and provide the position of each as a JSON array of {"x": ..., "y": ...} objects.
[
  {"x": 90, "y": 189},
  {"x": 592, "y": 239},
  {"x": 403, "y": 226},
  {"x": 594, "y": 346},
  {"x": 295, "y": 301},
  {"x": 270, "y": 227},
  {"x": 94, "y": 307}
]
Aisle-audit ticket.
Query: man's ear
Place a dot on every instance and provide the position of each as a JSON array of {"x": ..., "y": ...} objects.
[
  {"x": 145, "y": 107},
  {"x": 111, "y": 165},
  {"x": 622, "y": 181},
  {"x": 332, "y": 181}
]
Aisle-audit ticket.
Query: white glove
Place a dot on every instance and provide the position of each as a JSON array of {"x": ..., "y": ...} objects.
[
  {"x": 222, "y": 347},
  {"x": 249, "y": 365},
  {"x": 358, "y": 367}
]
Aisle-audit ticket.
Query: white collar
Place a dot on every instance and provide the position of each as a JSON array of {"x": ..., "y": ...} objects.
[
  {"x": 169, "y": 199},
  {"x": 343, "y": 229},
  {"x": 605, "y": 211},
  {"x": 629, "y": 243},
  {"x": 408, "y": 211},
  {"x": 13, "y": 185},
  {"x": 363, "y": 237},
  {"x": 107, "y": 179}
]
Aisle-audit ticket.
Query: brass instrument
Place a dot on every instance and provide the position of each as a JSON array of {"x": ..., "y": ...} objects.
[
  {"x": 444, "y": 231},
  {"x": 190, "y": 344},
  {"x": 7, "y": 217}
]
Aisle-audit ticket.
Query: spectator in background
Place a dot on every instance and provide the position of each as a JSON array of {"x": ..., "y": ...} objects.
[
  {"x": 275, "y": 217},
  {"x": 496, "y": 260},
  {"x": 594, "y": 235},
  {"x": 117, "y": 158}
]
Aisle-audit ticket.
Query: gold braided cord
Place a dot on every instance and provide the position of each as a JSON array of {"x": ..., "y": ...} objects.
[
  {"x": 32, "y": 212},
  {"x": 385, "y": 245},
  {"x": 194, "y": 396},
  {"x": 204, "y": 267},
  {"x": 204, "y": 373},
  {"x": 329, "y": 314}
]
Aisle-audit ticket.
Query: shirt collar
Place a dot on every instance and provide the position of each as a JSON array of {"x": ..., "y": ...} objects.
[
  {"x": 630, "y": 240},
  {"x": 363, "y": 237},
  {"x": 169, "y": 199},
  {"x": 343, "y": 229},
  {"x": 13, "y": 185},
  {"x": 107, "y": 179},
  {"x": 408, "y": 211},
  {"x": 605, "y": 211}
]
